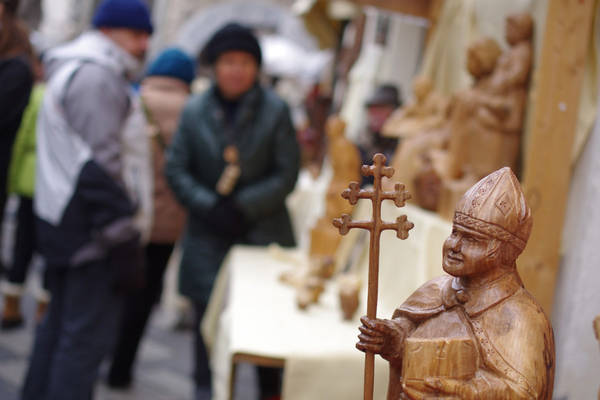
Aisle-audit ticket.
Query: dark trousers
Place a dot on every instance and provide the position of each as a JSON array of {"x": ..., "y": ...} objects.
[
  {"x": 137, "y": 310},
  {"x": 24, "y": 245},
  {"x": 76, "y": 333},
  {"x": 2, "y": 206},
  {"x": 269, "y": 381},
  {"x": 202, "y": 375}
]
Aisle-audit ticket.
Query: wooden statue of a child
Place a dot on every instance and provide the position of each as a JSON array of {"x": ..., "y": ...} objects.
[{"x": 475, "y": 333}]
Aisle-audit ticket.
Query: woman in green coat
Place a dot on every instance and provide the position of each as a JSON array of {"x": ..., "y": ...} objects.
[{"x": 241, "y": 130}]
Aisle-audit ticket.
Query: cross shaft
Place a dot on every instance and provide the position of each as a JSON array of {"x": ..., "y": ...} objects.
[{"x": 375, "y": 227}]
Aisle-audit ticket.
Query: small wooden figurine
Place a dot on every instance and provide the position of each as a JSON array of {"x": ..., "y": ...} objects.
[
  {"x": 309, "y": 291},
  {"x": 475, "y": 333},
  {"x": 349, "y": 292},
  {"x": 345, "y": 162},
  {"x": 375, "y": 226},
  {"x": 427, "y": 185},
  {"x": 231, "y": 173},
  {"x": 324, "y": 239},
  {"x": 409, "y": 157}
]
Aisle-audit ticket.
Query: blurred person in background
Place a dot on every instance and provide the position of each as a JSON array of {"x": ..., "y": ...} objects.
[
  {"x": 86, "y": 200},
  {"x": 16, "y": 81},
  {"x": 164, "y": 91},
  {"x": 380, "y": 106},
  {"x": 21, "y": 182},
  {"x": 233, "y": 161}
]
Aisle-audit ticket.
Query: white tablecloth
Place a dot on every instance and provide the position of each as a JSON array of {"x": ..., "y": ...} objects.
[{"x": 252, "y": 312}]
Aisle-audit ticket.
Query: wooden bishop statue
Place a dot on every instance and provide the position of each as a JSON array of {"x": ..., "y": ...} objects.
[{"x": 475, "y": 333}]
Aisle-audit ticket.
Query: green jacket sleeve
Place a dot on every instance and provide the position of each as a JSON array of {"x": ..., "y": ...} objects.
[
  {"x": 21, "y": 179},
  {"x": 265, "y": 196},
  {"x": 195, "y": 196}
]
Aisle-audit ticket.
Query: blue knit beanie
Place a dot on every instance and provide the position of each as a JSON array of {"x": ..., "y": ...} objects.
[
  {"x": 132, "y": 14},
  {"x": 173, "y": 63}
]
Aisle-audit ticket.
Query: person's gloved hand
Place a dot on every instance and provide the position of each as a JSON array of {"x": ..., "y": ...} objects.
[
  {"x": 226, "y": 218},
  {"x": 128, "y": 263}
]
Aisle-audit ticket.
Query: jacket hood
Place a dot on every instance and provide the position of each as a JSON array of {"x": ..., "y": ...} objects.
[{"x": 94, "y": 46}]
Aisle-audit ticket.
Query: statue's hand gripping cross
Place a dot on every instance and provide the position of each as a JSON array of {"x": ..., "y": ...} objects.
[{"x": 375, "y": 227}]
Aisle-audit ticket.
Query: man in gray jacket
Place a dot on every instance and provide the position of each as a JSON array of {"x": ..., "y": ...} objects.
[{"x": 87, "y": 198}]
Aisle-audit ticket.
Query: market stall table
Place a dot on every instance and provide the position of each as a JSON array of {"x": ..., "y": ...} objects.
[{"x": 253, "y": 317}]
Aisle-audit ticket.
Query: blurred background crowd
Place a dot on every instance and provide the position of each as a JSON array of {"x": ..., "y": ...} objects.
[{"x": 130, "y": 126}]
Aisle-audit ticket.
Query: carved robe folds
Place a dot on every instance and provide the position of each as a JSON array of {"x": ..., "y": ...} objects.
[{"x": 487, "y": 338}]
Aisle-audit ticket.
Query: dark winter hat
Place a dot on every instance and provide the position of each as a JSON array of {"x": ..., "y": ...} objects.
[
  {"x": 132, "y": 14},
  {"x": 385, "y": 95},
  {"x": 10, "y": 5},
  {"x": 173, "y": 63},
  {"x": 232, "y": 36}
]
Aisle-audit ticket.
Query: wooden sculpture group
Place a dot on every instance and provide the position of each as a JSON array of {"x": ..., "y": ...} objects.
[
  {"x": 475, "y": 333},
  {"x": 447, "y": 146}
]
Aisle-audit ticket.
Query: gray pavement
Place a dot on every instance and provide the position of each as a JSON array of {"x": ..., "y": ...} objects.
[
  {"x": 163, "y": 371},
  {"x": 164, "y": 361}
]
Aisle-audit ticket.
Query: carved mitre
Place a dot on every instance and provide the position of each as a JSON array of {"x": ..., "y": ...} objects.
[{"x": 495, "y": 206}]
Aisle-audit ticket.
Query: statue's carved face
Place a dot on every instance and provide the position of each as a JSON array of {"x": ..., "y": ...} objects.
[
  {"x": 482, "y": 56},
  {"x": 468, "y": 253},
  {"x": 519, "y": 28},
  {"x": 421, "y": 87}
]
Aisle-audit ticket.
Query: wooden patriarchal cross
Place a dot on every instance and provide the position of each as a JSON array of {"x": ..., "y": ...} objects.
[{"x": 375, "y": 227}]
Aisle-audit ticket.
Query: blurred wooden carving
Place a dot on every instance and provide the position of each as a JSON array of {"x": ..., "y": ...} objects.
[
  {"x": 452, "y": 165},
  {"x": 475, "y": 333},
  {"x": 309, "y": 291},
  {"x": 345, "y": 162},
  {"x": 307, "y": 277},
  {"x": 420, "y": 127},
  {"x": 487, "y": 120},
  {"x": 427, "y": 112},
  {"x": 411, "y": 154},
  {"x": 427, "y": 185},
  {"x": 231, "y": 173},
  {"x": 349, "y": 291},
  {"x": 324, "y": 239}
]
